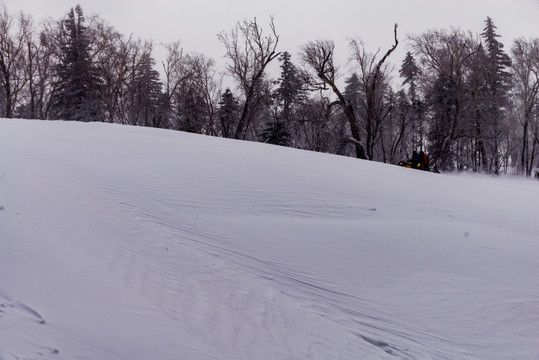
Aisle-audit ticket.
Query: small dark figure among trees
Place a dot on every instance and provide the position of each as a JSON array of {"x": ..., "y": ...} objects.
[{"x": 419, "y": 161}]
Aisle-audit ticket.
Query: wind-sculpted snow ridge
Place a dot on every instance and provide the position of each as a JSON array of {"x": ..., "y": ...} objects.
[{"x": 121, "y": 242}]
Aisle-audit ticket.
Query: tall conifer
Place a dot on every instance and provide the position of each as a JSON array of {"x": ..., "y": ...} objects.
[
  {"x": 496, "y": 88},
  {"x": 76, "y": 92}
]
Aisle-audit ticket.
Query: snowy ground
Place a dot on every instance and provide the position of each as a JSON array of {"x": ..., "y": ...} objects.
[{"x": 133, "y": 243}]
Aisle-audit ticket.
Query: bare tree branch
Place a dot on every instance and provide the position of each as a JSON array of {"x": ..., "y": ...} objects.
[
  {"x": 249, "y": 52},
  {"x": 318, "y": 55}
]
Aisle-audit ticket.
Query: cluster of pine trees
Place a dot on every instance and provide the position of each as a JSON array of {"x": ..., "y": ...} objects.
[{"x": 460, "y": 97}]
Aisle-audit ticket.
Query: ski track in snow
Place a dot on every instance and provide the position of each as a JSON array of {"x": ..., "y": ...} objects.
[
  {"x": 279, "y": 286},
  {"x": 17, "y": 321},
  {"x": 238, "y": 262}
]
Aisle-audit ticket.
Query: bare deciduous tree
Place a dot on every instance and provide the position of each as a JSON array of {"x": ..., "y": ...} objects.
[
  {"x": 173, "y": 68},
  {"x": 176, "y": 74},
  {"x": 526, "y": 88},
  {"x": 373, "y": 77},
  {"x": 249, "y": 51},
  {"x": 41, "y": 50},
  {"x": 207, "y": 81},
  {"x": 15, "y": 34},
  {"x": 446, "y": 58},
  {"x": 318, "y": 56},
  {"x": 113, "y": 57}
]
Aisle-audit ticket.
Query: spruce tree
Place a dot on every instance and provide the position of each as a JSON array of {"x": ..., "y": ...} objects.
[
  {"x": 495, "y": 88},
  {"x": 146, "y": 94},
  {"x": 76, "y": 93},
  {"x": 289, "y": 94},
  {"x": 275, "y": 133},
  {"x": 291, "y": 88},
  {"x": 353, "y": 93},
  {"x": 228, "y": 113},
  {"x": 498, "y": 60},
  {"x": 191, "y": 110},
  {"x": 409, "y": 71}
]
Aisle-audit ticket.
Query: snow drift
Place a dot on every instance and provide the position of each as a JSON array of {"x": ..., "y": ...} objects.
[{"x": 133, "y": 243}]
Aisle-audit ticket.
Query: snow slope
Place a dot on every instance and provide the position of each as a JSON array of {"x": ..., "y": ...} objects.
[{"x": 121, "y": 242}]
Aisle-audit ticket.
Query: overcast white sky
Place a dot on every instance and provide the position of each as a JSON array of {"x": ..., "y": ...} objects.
[{"x": 196, "y": 22}]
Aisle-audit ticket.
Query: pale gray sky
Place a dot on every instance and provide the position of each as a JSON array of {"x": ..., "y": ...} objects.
[{"x": 196, "y": 22}]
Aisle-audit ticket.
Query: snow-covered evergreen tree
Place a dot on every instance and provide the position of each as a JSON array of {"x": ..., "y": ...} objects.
[
  {"x": 496, "y": 88},
  {"x": 76, "y": 91},
  {"x": 291, "y": 87},
  {"x": 228, "y": 113},
  {"x": 191, "y": 110},
  {"x": 414, "y": 139},
  {"x": 275, "y": 133},
  {"x": 353, "y": 92},
  {"x": 146, "y": 94}
]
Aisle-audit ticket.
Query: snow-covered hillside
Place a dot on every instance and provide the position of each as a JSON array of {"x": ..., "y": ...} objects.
[{"x": 132, "y": 243}]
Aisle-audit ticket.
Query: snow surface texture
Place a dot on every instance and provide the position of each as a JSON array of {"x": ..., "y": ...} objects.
[{"x": 133, "y": 243}]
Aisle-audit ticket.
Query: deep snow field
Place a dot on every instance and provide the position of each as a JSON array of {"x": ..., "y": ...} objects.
[{"x": 122, "y": 242}]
